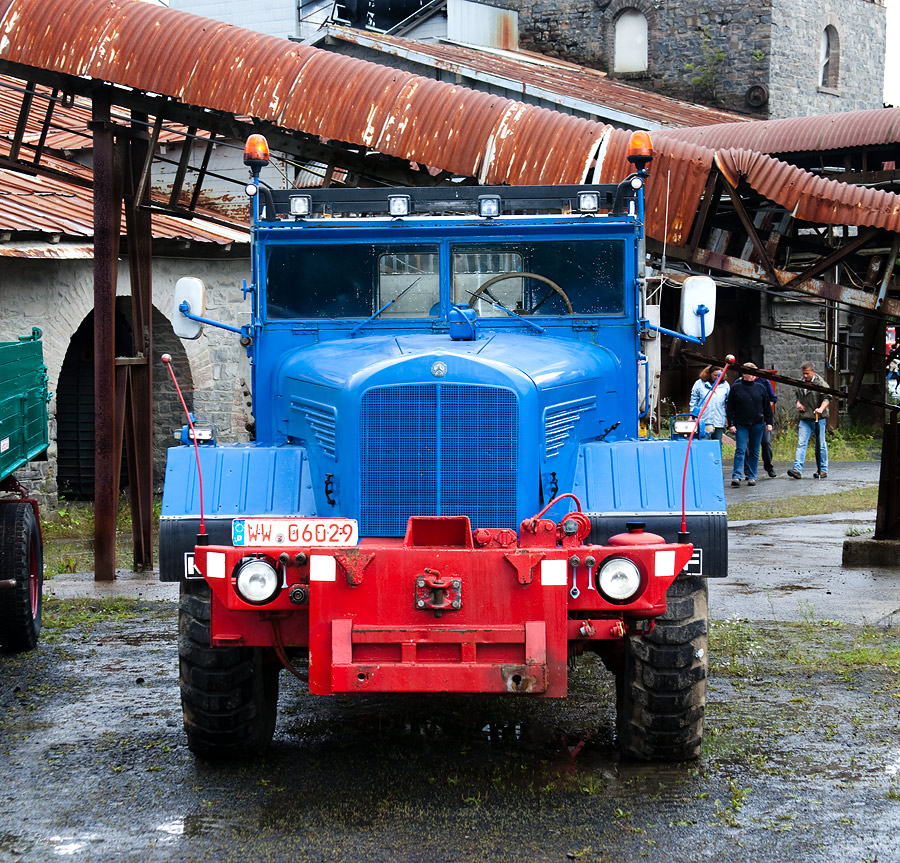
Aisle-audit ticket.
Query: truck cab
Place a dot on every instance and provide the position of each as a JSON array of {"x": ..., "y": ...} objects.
[{"x": 450, "y": 487}]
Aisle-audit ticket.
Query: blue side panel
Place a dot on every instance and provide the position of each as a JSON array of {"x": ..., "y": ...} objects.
[
  {"x": 645, "y": 476},
  {"x": 238, "y": 479}
]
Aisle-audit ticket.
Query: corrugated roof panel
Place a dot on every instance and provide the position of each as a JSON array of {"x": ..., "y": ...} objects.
[
  {"x": 808, "y": 197},
  {"x": 799, "y": 134},
  {"x": 439, "y": 124},
  {"x": 234, "y": 72},
  {"x": 519, "y": 151},
  {"x": 123, "y": 56},
  {"x": 677, "y": 177},
  {"x": 345, "y": 98},
  {"x": 54, "y": 35},
  {"x": 49, "y": 206}
]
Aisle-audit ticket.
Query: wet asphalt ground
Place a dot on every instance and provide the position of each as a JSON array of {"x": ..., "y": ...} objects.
[{"x": 801, "y": 760}]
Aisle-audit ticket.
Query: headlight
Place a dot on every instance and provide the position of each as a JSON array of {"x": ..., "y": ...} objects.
[
  {"x": 619, "y": 579},
  {"x": 257, "y": 581}
]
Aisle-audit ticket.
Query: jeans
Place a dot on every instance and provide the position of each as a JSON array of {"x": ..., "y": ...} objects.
[
  {"x": 804, "y": 433},
  {"x": 746, "y": 454},
  {"x": 767, "y": 451}
]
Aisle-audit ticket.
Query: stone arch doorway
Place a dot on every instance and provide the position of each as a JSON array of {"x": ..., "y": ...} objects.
[{"x": 75, "y": 431}]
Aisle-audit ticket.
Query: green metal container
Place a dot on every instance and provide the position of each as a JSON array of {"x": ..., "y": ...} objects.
[{"x": 23, "y": 402}]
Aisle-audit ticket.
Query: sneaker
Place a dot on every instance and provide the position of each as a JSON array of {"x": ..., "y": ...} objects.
[
  {"x": 794, "y": 474},
  {"x": 751, "y": 482},
  {"x": 771, "y": 473},
  {"x": 735, "y": 483},
  {"x": 821, "y": 475}
]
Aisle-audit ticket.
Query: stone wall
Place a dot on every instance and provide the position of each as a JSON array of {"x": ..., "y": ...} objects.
[
  {"x": 797, "y": 29},
  {"x": 785, "y": 351},
  {"x": 57, "y": 296}
]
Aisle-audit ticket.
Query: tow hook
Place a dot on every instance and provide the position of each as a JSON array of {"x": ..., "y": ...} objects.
[{"x": 435, "y": 593}]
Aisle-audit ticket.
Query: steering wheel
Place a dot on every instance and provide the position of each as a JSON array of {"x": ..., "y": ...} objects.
[{"x": 514, "y": 275}]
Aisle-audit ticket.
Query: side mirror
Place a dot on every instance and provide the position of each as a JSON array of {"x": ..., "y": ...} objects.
[
  {"x": 698, "y": 306},
  {"x": 190, "y": 296}
]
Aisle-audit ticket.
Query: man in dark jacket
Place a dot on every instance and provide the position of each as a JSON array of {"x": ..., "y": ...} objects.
[{"x": 749, "y": 414}]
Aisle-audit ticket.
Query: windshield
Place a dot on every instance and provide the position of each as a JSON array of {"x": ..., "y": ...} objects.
[
  {"x": 541, "y": 278},
  {"x": 533, "y": 277}
]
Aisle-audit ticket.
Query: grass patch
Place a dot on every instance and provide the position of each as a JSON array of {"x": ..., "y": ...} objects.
[
  {"x": 75, "y": 519},
  {"x": 59, "y": 616},
  {"x": 852, "y": 500},
  {"x": 69, "y": 537}
]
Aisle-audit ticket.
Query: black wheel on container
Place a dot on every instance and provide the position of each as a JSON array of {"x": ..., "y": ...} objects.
[
  {"x": 229, "y": 695},
  {"x": 21, "y": 576},
  {"x": 661, "y": 692}
]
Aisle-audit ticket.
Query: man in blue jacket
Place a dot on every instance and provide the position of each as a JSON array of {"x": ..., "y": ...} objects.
[{"x": 749, "y": 413}]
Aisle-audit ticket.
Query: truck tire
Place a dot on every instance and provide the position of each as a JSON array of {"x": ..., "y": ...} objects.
[
  {"x": 229, "y": 695},
  {"x": 661, "y": 691},
  {"x": 21, "y": 576}
]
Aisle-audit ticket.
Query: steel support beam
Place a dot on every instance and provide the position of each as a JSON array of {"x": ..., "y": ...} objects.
[
  {"x": 107, "y": 217},
  {"x": 750, "y": 230},
  {"x": 813, "y": 287},
  {"x": 138, "y": 427}
]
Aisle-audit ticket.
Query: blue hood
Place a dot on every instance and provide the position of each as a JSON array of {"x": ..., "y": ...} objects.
[{"x": 494, "y": 360}]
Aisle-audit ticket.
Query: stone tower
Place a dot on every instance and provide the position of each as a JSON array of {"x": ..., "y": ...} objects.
[{"x": 769, "y": 58}]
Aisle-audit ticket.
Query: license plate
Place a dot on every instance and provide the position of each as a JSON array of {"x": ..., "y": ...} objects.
[{"x": 294, "y": 531}]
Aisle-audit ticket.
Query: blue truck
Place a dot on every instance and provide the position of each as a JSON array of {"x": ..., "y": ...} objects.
[{"x": 452, "y": 487}]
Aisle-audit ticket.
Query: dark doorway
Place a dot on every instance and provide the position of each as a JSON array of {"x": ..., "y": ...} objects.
[{"x": 75, "y": 411}]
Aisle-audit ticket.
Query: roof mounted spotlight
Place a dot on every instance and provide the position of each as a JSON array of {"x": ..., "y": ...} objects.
[
  {"x": 640, "y": 150},
  {"x": 588, "y": 202},
  {"x": 256, "y": 153},
  {"x": 301, "y": 205},
  {"x": 488, "y": 206},
  {"x": 398, "y": 205}
]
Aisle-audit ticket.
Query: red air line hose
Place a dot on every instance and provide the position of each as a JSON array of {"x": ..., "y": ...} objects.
[
  {"x": 167, "y": 359},
  {"x": 728, "y": 361}
]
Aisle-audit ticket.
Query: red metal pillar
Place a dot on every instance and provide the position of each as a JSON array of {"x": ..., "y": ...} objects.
[{"x": 107, "y": 219}]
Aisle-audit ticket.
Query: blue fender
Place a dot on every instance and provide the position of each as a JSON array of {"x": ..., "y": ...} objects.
[{"x": 641, "y": 480}]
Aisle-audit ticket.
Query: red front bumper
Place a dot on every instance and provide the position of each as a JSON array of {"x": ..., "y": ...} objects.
[{"x": 443, "y": 610}]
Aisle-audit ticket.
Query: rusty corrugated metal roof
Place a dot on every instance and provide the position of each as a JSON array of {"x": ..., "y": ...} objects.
[
  {"x": 69, "y": 123},
  {"x": 809, "y": 197},
  {"x": 798, "y": 134},
  {"x": 568, "y": 84},
  {"x": 216, "y": 65},
  {"x": 49, "y": 206},
  {"x": 678, "y": 175}
]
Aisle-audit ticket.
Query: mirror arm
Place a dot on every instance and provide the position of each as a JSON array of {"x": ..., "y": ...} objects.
[
  {"x": 185, "y": 309},
  {"x": 674, "y": 333}
]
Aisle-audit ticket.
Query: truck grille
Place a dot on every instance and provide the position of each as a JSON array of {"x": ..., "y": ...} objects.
[{"x": 438, "y": 449}]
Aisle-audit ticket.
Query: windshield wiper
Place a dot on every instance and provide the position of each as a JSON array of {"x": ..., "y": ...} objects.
[
  {"x": 510, "y": 312},
  {"x": 371, "y": 318}
]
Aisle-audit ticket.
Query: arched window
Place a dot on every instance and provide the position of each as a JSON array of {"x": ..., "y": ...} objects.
[
  {"x": 630, "y": 52},
  {"x": 829, "y": 58}
]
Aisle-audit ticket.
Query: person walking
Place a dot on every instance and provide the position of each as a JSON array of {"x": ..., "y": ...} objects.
[
  {"x": 714, "y": 415},
  {"x": 766, "y": 446},
  {"x": 812, "y": 407},
  {"x": 749, "y": 414}
]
